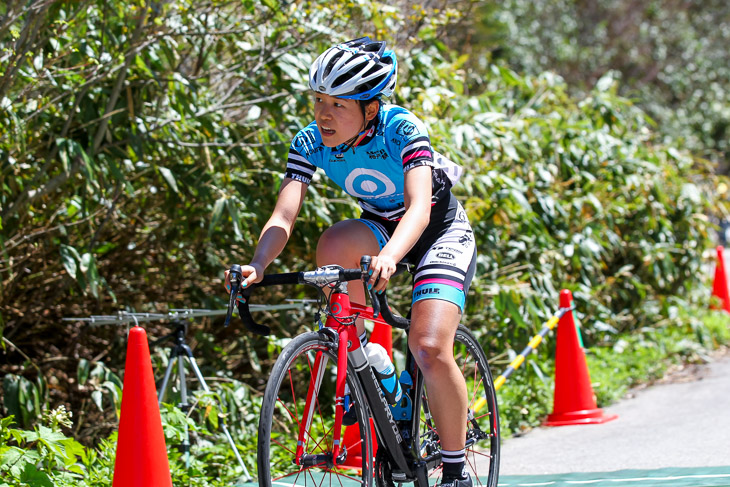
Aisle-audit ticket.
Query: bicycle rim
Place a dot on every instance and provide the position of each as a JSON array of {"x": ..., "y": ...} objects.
[
  {"x": 482, "y": 437},
  {"x": 284, "y": 420}
]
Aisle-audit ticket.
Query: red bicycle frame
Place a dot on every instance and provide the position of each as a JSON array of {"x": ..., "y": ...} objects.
[{"x": 342, "y": 320}]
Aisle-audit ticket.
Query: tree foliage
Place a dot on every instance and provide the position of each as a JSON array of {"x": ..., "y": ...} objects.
[{"x": 672, "y": 56}]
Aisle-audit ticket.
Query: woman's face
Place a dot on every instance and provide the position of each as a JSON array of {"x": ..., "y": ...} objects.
[{"x": 338, "y": 119}]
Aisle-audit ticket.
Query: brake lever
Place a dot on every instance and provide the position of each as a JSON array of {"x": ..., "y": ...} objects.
[
  {"x": 236, "y": 278},
  {"x": 364, "y": 267}
]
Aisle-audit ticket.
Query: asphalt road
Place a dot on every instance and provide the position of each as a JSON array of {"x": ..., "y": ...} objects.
[{"x": 682, "y": 423}]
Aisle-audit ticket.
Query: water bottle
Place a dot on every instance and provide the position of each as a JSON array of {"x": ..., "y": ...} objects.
[{"x": 384, "y": 372}]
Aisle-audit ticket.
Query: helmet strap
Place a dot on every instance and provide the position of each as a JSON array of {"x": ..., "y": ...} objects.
[
  {"x": 368, "y": 130},
  {"x": 355, "y": 141}
]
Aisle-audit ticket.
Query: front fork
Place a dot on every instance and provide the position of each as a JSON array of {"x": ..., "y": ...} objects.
[{"x": 344, "y": 325}]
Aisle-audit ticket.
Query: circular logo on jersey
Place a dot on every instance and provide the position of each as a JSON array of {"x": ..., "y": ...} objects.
[{"x": 369, "y": 183}]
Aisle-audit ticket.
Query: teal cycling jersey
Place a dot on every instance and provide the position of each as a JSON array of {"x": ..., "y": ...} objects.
[{"x": 374, "y": 170}]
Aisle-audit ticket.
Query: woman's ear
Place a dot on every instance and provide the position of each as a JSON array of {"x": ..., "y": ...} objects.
[{"x": 371, "y": 110}]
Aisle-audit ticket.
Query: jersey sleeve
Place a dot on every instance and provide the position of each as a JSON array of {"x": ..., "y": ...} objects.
[
  {"x": 299, "y": 166},
  {"x": 411, "y": 136}
]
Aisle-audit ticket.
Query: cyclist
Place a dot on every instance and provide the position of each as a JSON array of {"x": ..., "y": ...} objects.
[{"x": 381, "y": 154}]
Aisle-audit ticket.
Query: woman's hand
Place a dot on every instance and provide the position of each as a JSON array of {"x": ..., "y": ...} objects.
[
  {"x": 251, "y": 273},
  {"x": 382, "y": 268}
]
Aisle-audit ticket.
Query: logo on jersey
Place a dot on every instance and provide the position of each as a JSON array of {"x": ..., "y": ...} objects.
[
  {"x": 378, "y": 154},
  {"x": 303, "y": 138},
  {"x": 450, "y": 250},
  {"x": 465, "y": 239},
  {"x": 445, "y": 255},
  {"x": 406, "y": 128},
  {"x": 368, "y": 183}
]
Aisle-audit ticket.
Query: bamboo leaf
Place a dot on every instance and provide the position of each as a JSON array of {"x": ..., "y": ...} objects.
[{"x": 169, "y": 178}]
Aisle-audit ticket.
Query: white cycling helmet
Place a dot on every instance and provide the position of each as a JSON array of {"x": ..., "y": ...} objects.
[{"x": 360, "y": 69}]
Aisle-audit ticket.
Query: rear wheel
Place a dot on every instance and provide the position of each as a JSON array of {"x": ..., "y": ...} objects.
[
  {"x": 284, "y": 421},
  {"x": 482, "y": 436}
]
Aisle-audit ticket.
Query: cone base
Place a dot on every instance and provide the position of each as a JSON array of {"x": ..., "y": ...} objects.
[
  {"x": 586, "y": 416},
  {"x": 350, "y": 463}
]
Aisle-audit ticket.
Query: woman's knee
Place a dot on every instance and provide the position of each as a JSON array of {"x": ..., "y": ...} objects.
[{"x": 431, "y": 352}]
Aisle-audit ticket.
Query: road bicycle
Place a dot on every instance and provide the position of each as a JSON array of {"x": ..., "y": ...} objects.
[{"x": 301, "y": 440}]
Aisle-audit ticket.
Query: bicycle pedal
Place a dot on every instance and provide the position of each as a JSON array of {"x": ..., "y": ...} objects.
[{"x": 400, "y": 477}]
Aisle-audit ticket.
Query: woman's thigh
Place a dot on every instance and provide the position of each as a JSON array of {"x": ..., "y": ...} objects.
[
  {"x": 447, "y": 265},
  {"x": 345, "y": 242}
]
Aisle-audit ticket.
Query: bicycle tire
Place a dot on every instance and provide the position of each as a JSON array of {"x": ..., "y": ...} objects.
[
  {"x": 483, "y": 440},
  {"x": 282, "y": 415}
]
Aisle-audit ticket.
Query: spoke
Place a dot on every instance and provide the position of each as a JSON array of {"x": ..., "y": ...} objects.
[
  {"x": 340, "y": 475},
  {"x": 304, "y": 471},
  {"x": 431, "y": 429},
  {"x": 332, "y": 472},
  {"x": 321, "y": 420},
  {"x": 319, "y": 405},
  {"x": 477, "y": 384},
  {"x": 485, "y": 415},
  {"x": 350, "y": 447},
  {"x": 297, "y": 473},
  {"x": 472, "y": 464},
  {"x": 481, "y": 454},
  {"x": 318, "y": 443},
  {"x": 339, "y": 479},
  {"x": 294, "y": 397},
  {"x": 284, "y": 447},
  {"x": 437, "y": 471},
  {"x": 309, "y": 471},
  {"x": 288, "y": 410}
]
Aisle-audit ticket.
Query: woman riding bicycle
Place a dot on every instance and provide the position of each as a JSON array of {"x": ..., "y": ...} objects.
[{"x": 381, "y": 154}]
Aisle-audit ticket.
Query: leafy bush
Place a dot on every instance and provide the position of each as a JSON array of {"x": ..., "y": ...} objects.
[
  {"x": 672, "y": 56},
  {"x": 45, "y": 456}
]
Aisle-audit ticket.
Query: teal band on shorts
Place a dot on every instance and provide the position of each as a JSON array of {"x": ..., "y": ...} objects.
[{"x": 444, "y": 292}]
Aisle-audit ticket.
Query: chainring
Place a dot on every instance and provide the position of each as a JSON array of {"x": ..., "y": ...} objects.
[{"x": 383, "y": 474}]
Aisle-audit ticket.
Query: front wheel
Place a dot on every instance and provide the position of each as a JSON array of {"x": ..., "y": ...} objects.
[
  {"x": 308, "y": 364},
  {"x": 482, "y": 435}
]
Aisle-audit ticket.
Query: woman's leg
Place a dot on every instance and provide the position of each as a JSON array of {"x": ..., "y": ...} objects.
[
  {"x": 431, "y": 340},
  {"x": 343, "y": 244}
]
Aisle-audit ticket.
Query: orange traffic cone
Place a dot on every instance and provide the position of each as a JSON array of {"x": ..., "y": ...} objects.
[
  {"x": 719, "y": 287},
  {"x": 383, "y": 335},
  {"x": 141, "y": 453},
  {"x": 573, "y": 401}
]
